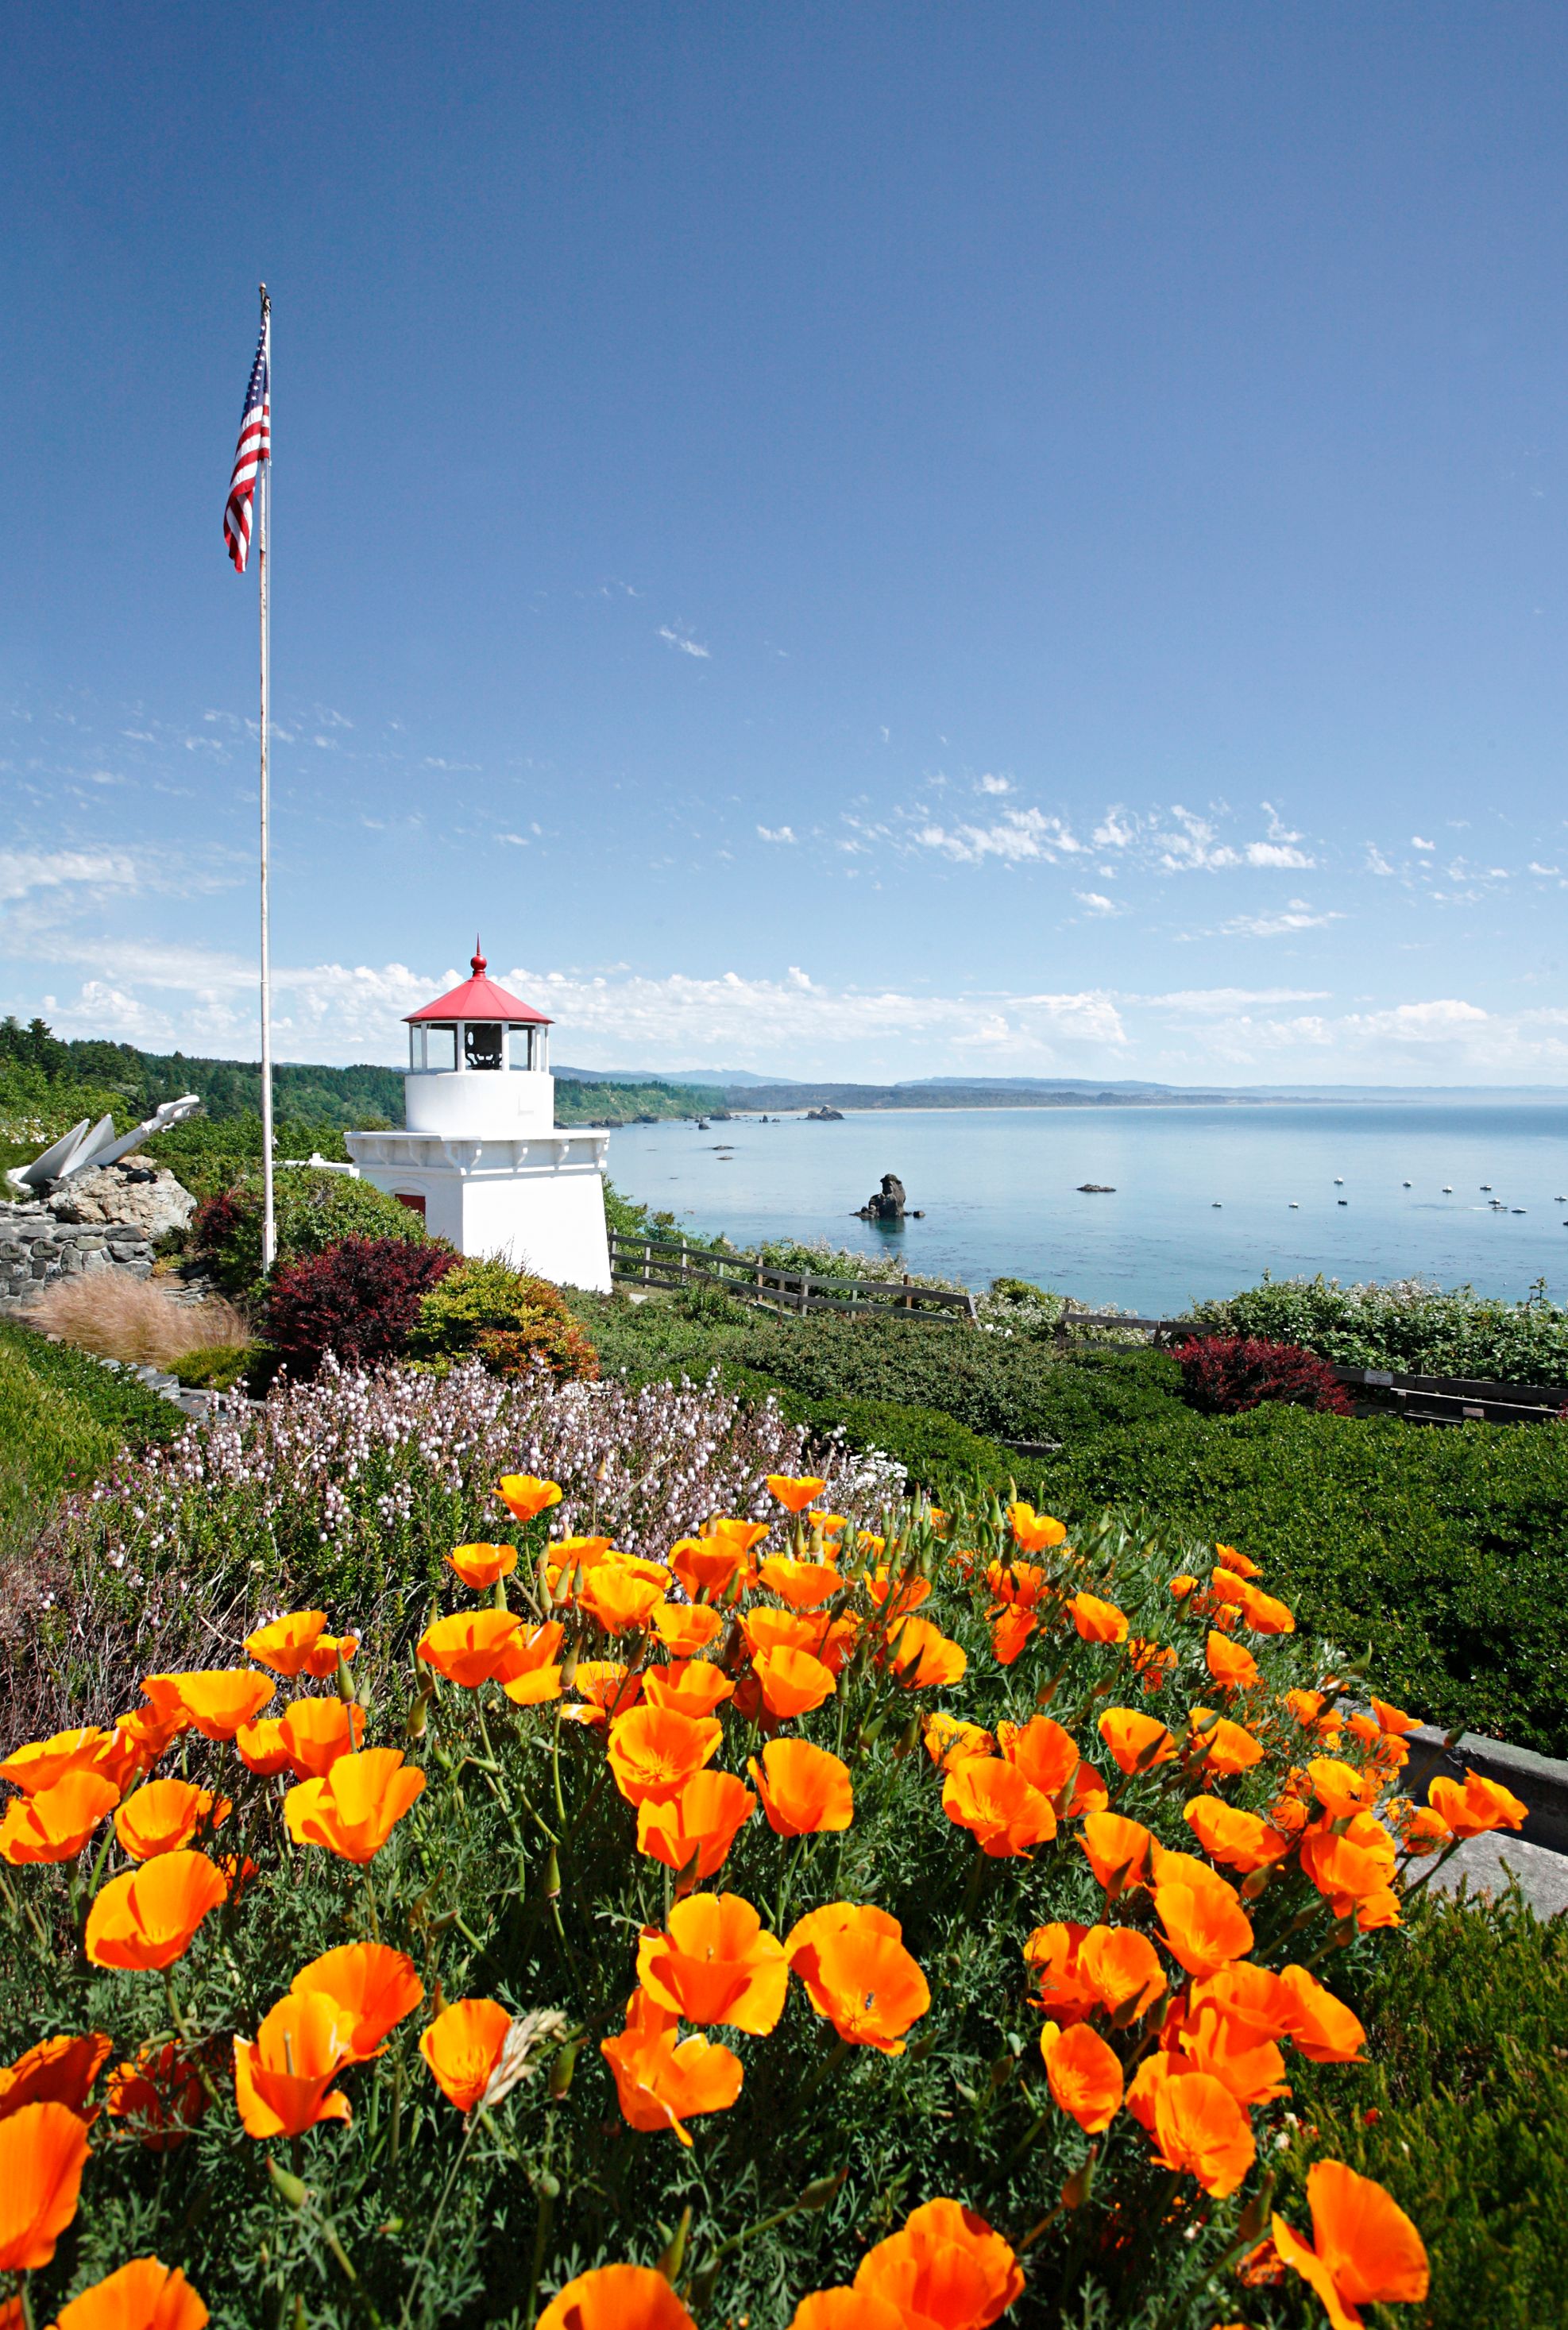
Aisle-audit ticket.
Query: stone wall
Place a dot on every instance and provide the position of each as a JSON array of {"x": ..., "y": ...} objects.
[{"x": 35, "y": 1250}]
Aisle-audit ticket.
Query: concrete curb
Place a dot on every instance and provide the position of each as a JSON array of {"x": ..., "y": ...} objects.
[{"x": 1541, "y": 1782}]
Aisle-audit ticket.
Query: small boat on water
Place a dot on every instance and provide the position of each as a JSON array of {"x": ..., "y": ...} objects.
[
  {"x": 1339, "y": 1180},
  {"x": 1448, "y": 1190},
  {"x": 1295, "y": 1208}
]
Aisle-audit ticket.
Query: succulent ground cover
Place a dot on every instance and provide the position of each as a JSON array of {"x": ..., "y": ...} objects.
[{"x": 793, "y": 1906}]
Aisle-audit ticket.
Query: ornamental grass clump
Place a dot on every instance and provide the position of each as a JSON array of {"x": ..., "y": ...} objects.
[{"x": 842, "y": 1961}]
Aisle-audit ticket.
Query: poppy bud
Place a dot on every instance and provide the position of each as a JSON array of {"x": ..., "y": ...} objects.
[
  {"x": 552, "y": 1876},
  {"x": 548, "y": 2187},
  {"x": 820, "y": 2191},
  {"x": 1047, "y": 1691},
  {"x": 1253, "y": 2221},
  {"x": 414, "y": 1722},
  {"x": 673, "y": 2258},
  {"x": 568, "y": 1668},
  {"x": 561, "y": 2072},
  {"x": 873, "y": 1731},
  {"x": 498, "y": 1594},
  {"x": 910, "y": 1738},
  {"x": 1081, "y": 2184},
  {"x": 1253, "y": 1884},
  {"x": 292, "y": 2187},
  {"x": 1002, "y": 2070},
  {"x": 345, "y": 1681}
]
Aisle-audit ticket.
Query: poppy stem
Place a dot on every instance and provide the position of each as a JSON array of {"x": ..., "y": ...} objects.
[
  {"x": 370, "y": 1905},
  {"x": 824, "y": 2069},
  {"x": 474, "y": 2118}
]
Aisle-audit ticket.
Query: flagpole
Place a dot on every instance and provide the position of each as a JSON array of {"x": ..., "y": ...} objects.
[{"x": 264, "y": 498}]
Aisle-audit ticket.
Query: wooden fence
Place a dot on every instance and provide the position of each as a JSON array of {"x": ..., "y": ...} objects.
[{"x": 671, "y": 1263}]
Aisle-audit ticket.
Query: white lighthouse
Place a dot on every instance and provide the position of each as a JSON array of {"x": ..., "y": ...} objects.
[{"x": 479, "y": 1159}]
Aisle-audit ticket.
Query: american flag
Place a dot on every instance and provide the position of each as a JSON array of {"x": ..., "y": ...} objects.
[{"x": 255, "y": 447}]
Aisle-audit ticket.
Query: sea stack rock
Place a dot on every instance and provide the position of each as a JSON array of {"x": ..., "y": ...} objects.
[{"x": 887, "y": 1204}]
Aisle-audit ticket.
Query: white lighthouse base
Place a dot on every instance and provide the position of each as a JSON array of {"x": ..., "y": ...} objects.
[{"x": 536, "y": 1202}]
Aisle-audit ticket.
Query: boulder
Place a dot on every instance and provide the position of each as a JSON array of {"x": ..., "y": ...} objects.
[
  {"x": 886, "y": 1204},
  {"x": 146, "y": 1197}
]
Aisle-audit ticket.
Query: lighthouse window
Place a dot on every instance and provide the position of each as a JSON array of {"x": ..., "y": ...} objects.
[
  {"x": 522, "y": 1045},
  {"x": 441, "y": 1048},
  {"x": 482, "y": 1044}
]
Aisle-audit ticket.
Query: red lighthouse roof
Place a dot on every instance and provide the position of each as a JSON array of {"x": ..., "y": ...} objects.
[{"x": 479, "y": 998}]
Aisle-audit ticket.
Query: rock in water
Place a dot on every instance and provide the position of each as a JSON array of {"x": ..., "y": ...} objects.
[
  {"x": 1097, "y": 1188},
  {"x": 146, "y": 1195},
  {"x": 887, "y": 1204}
]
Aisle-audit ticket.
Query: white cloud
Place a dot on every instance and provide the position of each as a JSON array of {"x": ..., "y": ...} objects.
[
  {"x": 1376, "y": 863},
  {"x": 774, "y": 833},
  {"x": 1219, "y": 999},
  {"x": 1275, "y": 853},
  {"x": 1097, "y": 904},
  {"x": 514, "y": 840},
  {"x": 1297, "y": 915},
  {"x": 1018, "y": 837},
  {"x": 989, "y": 784},
  {"x": 683, "y": 641},
  {"x": 1417, "y": 843},
  {"x": 23, "y": 871},
  {"x": 1533, "y": 868}
]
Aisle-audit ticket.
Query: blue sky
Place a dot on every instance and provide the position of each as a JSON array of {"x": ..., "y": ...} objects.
[{"x": 866, "y": 541}]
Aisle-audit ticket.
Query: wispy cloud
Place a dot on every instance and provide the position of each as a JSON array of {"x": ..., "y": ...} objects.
[
  {"x": 1297, "y": 915},
  {"x": 1018, "y": 837},
  {"x": 1097, "y": 904},
  {"x": 774, "y": 833},
  {"x": 683, "y": 640}
]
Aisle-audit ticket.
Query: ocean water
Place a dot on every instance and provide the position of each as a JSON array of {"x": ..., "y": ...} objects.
[{"x": 1202, "y": 1203}]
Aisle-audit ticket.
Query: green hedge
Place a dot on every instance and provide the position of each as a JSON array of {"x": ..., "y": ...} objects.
[
  {"x": 64, "y": 1418},
  {"x": 1407, "y": 1325},
  {"x": 1460, "y": 2109},
  {"x": 1450, "y": 1544}
]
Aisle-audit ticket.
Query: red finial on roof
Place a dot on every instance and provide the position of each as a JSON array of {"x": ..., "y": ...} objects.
[
  {"x": 479, "y": 998},
  {"x": 476, "y": 960}
]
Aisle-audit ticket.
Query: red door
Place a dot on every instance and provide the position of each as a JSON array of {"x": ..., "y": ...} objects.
[{"x": 414, "y": 1205}]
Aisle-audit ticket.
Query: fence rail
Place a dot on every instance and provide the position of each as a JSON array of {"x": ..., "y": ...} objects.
[{"x": 671, "y": 1263}]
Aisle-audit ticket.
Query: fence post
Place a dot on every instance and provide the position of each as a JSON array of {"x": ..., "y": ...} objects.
[{"x": 647, "y": 1262}]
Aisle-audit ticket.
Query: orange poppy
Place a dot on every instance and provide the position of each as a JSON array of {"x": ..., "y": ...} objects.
[
  {"x": 802, "y": 1584},
  {"x": 525, "y": 1496},
  {"x": 160, "y": 2094},
  {"x": 1118, "y": 1851},
  {"x": 286, "y": 1643},
  {"x": 139, "y": 1739},
  {"x": 1033, "y": 1532},
  {"x": 528, "y": 1669},
  {"x": 694, "y": 1687},
  {"x": 41, "y": 1762},
  {"x": 921, "y": 1657},
  {"x": 1265, "y": 1616},
  {"x": 1240, "y": 1563},
  {"x": 1051, "y": 1953},
  {"x": 949, "y": 1740},
  {"x": 1022, "y": 1584},
  {"x": 1097, "y": 1621},
  {"x": 57, "y": 1822},
  {"x": 1122, "y": 1968},
  {"x": 1137, "y": 1742},
  {"x": 907, "y": 1590},
  {"x": 321, "y": 1659},
  {"x": 317, "y": 1732},
  {"x": 685, "y": 1627},
  {"x": 1424, "y": 1829},
  {"x": 1341, "y": 1789},
  {"x": 283, "y": 2077},
  {"x": 1346, "y": 1868},
  {"x": 661, "y": 2080},
  {"x": 1182, "y": 1585},
  {"x": 1245, "y": 2060},
  {"x": 468, "y": 1647},
  {"x": 56, "y": 2072},
  {"x": 794, "y": 1495},
  {"x": 610, "y": 1685},
  {"x": 1228, "y": 1663},
  {"x": 1151, "y": 1660},
  {"x": 804, "y": 1790},
  {"x": 1083, "y": 2073},
  {"x": 1201, "y": 1927},
  {"x": 372, "y": 1987},
  {"x": 654, "y": 1750},
  {"x": 1170, "y": 1868},
  {"x": 617, "y": 2297},
  {"x": 355, "y": 1809},
  {"x": 262, "y": 1747},
  {"x": 1393, "y": 1721},
  {"x": 944, "y": 2267},
  {"x": 693, "y": 1830},
  {"x": 42, "y": 2153},
  {"x": 1200, "y": 2128},
  {"x": 1010, "y": 1633},
  {"x": 145, "y": 2295},
  {"x": 792, "y": 1681},
  {"x": 996, "y": 1804},
  {"x": 780, "y": 1630},
  {"x": 705, "y": 1565},
  {"x": 147, "y": 1918},
  {"x": 165, "y": 1815},
  {"x": 847, "y": 2309},
  {"x": 1364, "y": 2250},
  {"x": 618, "y": 1599},
  {"x": 1045, "y": 1754},
  {"x": 858, "y": 1973},
  {"x": 480, "y": 1565},
  {"x": 1476, "y": 1808},
  {"x": 216, "y": 1700},
  {"x": 463, "y": 2046},
  {"x": 1227, "y": 1748},
  {"x": 1236, "y": 1839},
  {"x": 1322, "y": 2030},
  {"x": 714, "y": 1964}
]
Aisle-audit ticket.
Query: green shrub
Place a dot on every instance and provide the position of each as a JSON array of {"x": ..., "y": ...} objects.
[
  {"x": 313, "y": 1211},
  {"x": 512, "y": 1321},
  {"x": 1407, "y": 1325},
  {"x": 1462, "y": 2106},
  {"x": 64, "y": 1418},
  {"x": 941, "y": 1455},
  {"x": 1450, "y": 1546},
  {"x": 218, "y": 1369},
  {"x": 208, "y": 1153}
]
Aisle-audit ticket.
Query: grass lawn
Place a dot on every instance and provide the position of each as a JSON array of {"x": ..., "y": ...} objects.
[{"x": 63, "y": 1420}]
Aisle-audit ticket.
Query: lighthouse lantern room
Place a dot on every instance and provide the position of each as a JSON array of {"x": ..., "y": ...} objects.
[{"x": 480, "y": 1159}]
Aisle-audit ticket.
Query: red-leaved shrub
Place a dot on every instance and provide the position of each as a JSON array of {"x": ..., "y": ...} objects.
[
  {"x": 358, "y": 1301},
  {"x": 1224, "y": 1375}
]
